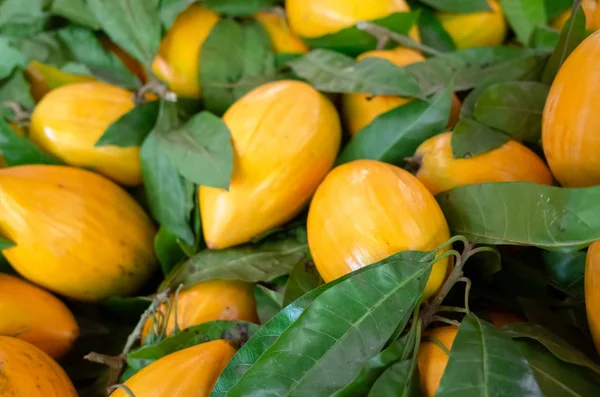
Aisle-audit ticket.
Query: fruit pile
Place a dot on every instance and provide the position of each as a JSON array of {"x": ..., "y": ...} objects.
[{"x": 341, "y": 198}]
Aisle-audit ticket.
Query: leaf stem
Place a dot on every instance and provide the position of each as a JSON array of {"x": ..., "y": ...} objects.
[
  {"x": 467, "y": 282},
  {"x": 379, "y": 32},
  {"x": 122, "y": 387},
  {"x": 437, "y": 342},
  {"x": 445, "y": 320},
  {"x": 452, "y": 309}
]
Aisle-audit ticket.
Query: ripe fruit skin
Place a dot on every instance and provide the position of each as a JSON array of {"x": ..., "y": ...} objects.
[
  {"x": 26, "y": 371},
  {"x": 76, "y": 233},
  {"x": 44, "y": 78},
  {"x": 433, "y": 360},
  {"x": 512, "y": 162},
  {"x": 286, "y": 136},
  {"x": 365, "y": 211},
  {"x": 177, "y": 62},
  {"x": 69, "y": 120},
  {"x": 208, "y": 301},
  {"x": 591, "y": 9},
  {"x": 36, "y": 316},
  {"x": 570, "y": 134},
  {"x": 282, "y": 38},
  {"x": 479, "y": 29},
  {"x": 189, "y": 372},
  {"x": 592, "y": 291}
]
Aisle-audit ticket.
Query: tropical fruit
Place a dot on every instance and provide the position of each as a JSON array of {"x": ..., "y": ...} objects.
[
  {"x": 433, "y": 360},
  {"x": 283, "y": 39},
  {"x": 591, "y": 9},
  {"x": 44, "y": 78}
]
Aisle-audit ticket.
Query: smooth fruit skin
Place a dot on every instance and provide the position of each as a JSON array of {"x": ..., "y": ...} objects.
[
  {"x": 26, "y": 371},
  {"x": 284, "y": 41},
  {"x": 570, "y": 134},
  {"x": 189, "y": 372},
  {"x": 69, "y": 120},
  {"x": 591, "y": 9},
  {"x": 76, "y": 233},
  {"x": 365, "y": 211},
  {"x": 432, "y": 359},
  {"x": 285, "y": 136},
  {"x": 44, "y": 78},
  {"x": 592, "y": 291},
  {"x": 479, "y": 29},
  {"x": 511, "y": 162},
  {"x": 178, "y": 59},
  {"x": 209, "y": 301},
  {"x": 36, "y": 316}
]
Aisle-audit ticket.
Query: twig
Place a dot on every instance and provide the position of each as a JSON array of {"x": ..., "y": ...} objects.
[
  {"x": 22, "y": 116},
  {"x": 467, "y": 282},
  {"x": 379, "y": 32},
  {"x": 154, "y": 86},
  {"x": 122, "y": 387}
]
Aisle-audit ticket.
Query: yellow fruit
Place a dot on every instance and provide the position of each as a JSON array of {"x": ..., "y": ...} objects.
[
  {"x": 209, "y": 301},
  {"x": 26, "y": 371},
  {"x": 76, "y": 233},
  {"x": 592, "y": 291},
  {"x": 286, "y": 136},
  {"x": 35, "y": 316},
  {"x": 44, "y": 78},
  {"x": 591, "y": 9},
  {"x": 69, "y": 120},
  {"x": 189, "y": 372},
  {"x": 511, "y": 162},
  {"x": 433, "y": 360},
  {"x": 570, "y": 133},
  {"x": 177, "y": 62},
  {"x": 365, "y": 211},
  {"x": 282, "y": 38},
  {"x": 478, "y": 29}
]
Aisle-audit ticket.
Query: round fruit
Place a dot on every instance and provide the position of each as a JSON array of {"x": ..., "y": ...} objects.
[
  {"x": 570, "y": 133},
  {"x": 69, "y": 120},
  {"x": 591, "y": 9},
  {"x": 511, "y": 162},
  {"x": 189, "y": 372},
  {"x": 76, "y": 232},
  {"x": 478, "y": 29},
  {"x": 433, "y": 360},
  {"x": 26, "y": 371},
  {"x": 286, "y": 136},
  {"x": 365, "y": 211},
  {"x": 209, "y": 301},
  {"x": 44, "y": 78},
  {"x": 592, "y": 291},
  {"x": 35, "y": 316},
  {"x": 282, "y": 38}
]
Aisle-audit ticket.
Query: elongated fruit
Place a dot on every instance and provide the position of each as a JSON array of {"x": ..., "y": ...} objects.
[
  {"x": 478, "y": 29},
  {"x": 208, "y": 301},
  {"x": 44, "y": 78},
  {"x": 69, "y": 121},
  {"x": 283, "y": 39},
  {"x": 35, "y": 316},
  {"x": 512, "y": 162},
  {"x": 365, "y": 211},
  {"x": 26, "y": 371},
  {"x": 189, "y": 372},
  {"x": 570, "y": 133},
  {"x": 76, "y": 232},
  {"x": 286, "y": 136},
  {"x": 433, "y": 360},
  {"x": 592, "y": 291}
]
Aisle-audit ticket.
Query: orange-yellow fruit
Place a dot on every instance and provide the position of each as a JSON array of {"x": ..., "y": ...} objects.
[
  {"x": 478, "y": 29},
  {"x": 26, "y": 371},
  {"x": 511, "y": 162},
  {"x": 285, "y": 136},
  {"x": 591, "y": 9},
  {"x": 44, "y": 78},
  {"x": 189, "y": 372},
  {"x": 282, "y": 38},
  {"x": 365, "y": 211},
  {"x": 76, "y": 233},
  {"x": 35, "y": 316},
  {"x": 209, "y": 301},
  {"x": 500, "y": 317},
  {"x": 69, "y": 120},
  {"x": 592, "y": 291},
  {"x": 570, "y": 133},
  {"x": 433, "y": 360}
]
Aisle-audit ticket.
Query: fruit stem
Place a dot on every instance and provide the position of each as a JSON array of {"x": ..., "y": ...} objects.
[
  {"x": 153, "y": 86},
  {"x": 380, "y": 32},
  {"x": 22, "y": 116},
  {"x": 437, "y": 342}
]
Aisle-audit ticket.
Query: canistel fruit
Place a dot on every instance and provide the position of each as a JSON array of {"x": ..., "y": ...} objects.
[
  {"x": 591, "y": 9},
  {"x": 44, "y": 78},
  {"x": 282, "y": 38},
  {"x": 365, "y": 211},
  {"x": 285, "y": 137},
  {"x": 433, "y": 360},
  {"x": 592, "y": 291}
]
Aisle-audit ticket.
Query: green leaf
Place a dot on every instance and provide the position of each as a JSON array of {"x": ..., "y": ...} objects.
[
  {"x": 268, "y": 303},
  {"x": 545, "y": 39},
  {"x": 15, "y": 88},
  {"x": 353, "y": 41},
  {"x": 18, "y": 150},
  {"x": 433, "y": 33},
  {"x": 471, "y": 138},
  {"x": 400, "y": 380},
  {"x": 459, "y": 6},
  {"x": 167, "y": 250},
  {"x": 566, "y": 270},
  {"x": 522, "y": 213},
  {"x": 201, "y": 150},
  {"x": 239, "y": 8},
  {"x": 132, "y": 24},
  {"x": 76, "y": 11},
  {"x": 170, "y": 9},
  {"x": 250, "y": 263},
  {"x": 236, "y": 57},
  {"x": 169, "y": 195},
  {"x": 524, "y": 16},
  {"x": 557, "y": 378},
  {"x": 396, "y": 134},
  {"x": 329, "y": 71},
  {"x": 132, "y": 128},
  {"x": 20, "y": 11},
  {"x": 11, "y": 58},
  {"x": 4, "y": 244},
  {"x": 555, "y": 8},
  {"x": 127, "y": 308},
  {"x": 493, "y": 362},
  {"x": 303, "y": 279}
]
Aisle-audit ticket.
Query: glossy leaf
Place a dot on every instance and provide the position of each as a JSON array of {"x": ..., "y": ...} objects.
[
  {"x": 493, "y": 362},
  {"x": 239, "y": 8},
  {"x": 11, "y": 58},
  {"x": 459, "y": 6},
  {"x": 566, "y": 270},
  {"x": 132, "y": 128},
  {"x": 268, "y": 303},
  {"x": 544, "y": 39},
  {"x": 4, "y": 244},
  {"x": 432, "y": 32},
  {"x": 522, "y": 213},
  {"x": 15, "y": 88},
  {"x": 76, "y": 11},
  {"x": 524, "y": 16},
  {"x": 471, "y": 138},
  {"x": 396, "y": 134},
  {"x": 400, "y": 380},
  {"x": 17, "y": 150},
  {"x": 303, "y": 279},
  {"x": 555, "y": 8},
  {"x": 167, "y": 250}
]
